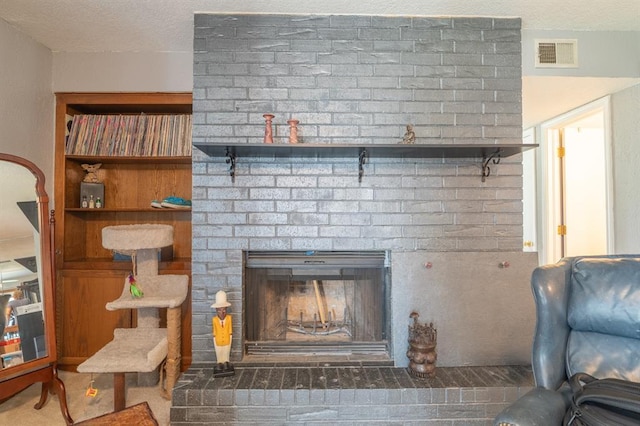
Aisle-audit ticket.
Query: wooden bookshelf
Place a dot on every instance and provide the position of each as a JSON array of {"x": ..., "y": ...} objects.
[{"x": 87, "y": 276}]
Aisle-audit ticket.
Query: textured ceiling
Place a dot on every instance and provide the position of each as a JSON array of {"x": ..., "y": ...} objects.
[{"x": 167, "y": 25}]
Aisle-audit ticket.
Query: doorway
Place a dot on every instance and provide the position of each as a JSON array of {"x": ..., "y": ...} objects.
[{"x": 577, "y": 174}]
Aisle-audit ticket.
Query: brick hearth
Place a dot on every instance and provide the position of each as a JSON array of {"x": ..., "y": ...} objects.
[{"x": 341, "y": 395}]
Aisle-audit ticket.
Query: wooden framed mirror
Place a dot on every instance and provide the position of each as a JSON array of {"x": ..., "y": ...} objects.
[{"x": 27, "y": 328}]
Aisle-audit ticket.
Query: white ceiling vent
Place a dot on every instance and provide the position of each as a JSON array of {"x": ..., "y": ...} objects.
[{"x": 556, "y": 53}]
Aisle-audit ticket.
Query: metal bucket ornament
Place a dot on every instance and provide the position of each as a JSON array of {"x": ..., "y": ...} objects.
[{"x": 422, "y": 348}]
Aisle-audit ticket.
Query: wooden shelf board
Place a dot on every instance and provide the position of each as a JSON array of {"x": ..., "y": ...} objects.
[
  {"x": 128, "y": 160},
  {"x": 372, "y": 150},
  {"x": 95, "y": 264},
  {"x": 125, "y": 210},
  {"x": 127, "y": 102}
]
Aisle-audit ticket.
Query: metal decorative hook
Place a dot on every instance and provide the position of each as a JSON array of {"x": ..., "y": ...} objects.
[
  {"x": 494, "y": 158},
  {"x": 362, "y": 161},
  {"x": 231, "y": 160}
]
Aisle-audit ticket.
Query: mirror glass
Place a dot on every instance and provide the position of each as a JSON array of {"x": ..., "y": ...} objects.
[{"x": 22, "y": 331}]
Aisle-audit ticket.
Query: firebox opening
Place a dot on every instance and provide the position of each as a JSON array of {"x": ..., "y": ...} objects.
[{"x": 316, "y": 302}]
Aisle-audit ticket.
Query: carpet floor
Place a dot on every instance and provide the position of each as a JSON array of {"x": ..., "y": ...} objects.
[{"x": 19, "y": 409}]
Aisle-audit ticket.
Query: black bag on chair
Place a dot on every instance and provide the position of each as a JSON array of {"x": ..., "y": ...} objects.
[{"x": 602, "y": 402}]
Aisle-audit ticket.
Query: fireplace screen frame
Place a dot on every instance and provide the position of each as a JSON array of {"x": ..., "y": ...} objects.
[{"x": 270, "y": 278}]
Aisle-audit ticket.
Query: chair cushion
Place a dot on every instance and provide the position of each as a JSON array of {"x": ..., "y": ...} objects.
[
  {"x": 603, "y": 313},
  {"x": 605, "y": 296},
  {"x": 603, "y": 355}
]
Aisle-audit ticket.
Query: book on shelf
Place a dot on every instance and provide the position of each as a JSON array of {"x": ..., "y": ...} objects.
[{"x": 130, "y": 135}]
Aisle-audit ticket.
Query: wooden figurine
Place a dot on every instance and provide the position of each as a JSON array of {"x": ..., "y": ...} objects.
[{"x": 222, "y": 336}]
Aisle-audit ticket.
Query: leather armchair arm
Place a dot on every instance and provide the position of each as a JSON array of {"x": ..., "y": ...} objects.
[
  {"x": 550, "y": 286},
  {"x": 538, "y": 407}
]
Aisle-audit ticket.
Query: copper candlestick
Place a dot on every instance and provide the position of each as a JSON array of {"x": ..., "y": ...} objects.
[
  {"x": 293, "y": 130},
  {"x": 268, "y": 131}
]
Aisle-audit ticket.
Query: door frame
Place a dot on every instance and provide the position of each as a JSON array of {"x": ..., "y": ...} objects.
[
  {"x": 529, "y": 193},
  {"x": 551, "y": 202}
]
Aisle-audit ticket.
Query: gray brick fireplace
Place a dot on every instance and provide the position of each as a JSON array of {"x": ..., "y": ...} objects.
[{"x": 455, "y": 242}]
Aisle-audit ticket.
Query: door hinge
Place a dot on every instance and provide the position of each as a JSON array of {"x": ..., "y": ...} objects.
[
  {"x": 560, "y": 152},
  {"x": 562, "y": 229}
]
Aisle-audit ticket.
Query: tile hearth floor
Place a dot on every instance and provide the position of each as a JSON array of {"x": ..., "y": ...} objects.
[
  {"x": 339, "y": 394},
  {"x": 349, "y": 377}
]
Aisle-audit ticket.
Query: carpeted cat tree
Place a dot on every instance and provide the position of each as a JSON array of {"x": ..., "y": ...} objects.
[{"x": 144, "y": 348}]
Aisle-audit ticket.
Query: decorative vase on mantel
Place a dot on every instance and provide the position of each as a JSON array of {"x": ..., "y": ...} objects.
[
  {"x": 293, "y": 130},
  {"x": 422, "y": 348},
  {"x": 268, "y": 130}
]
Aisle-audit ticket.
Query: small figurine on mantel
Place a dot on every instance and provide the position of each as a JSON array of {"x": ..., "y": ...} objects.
[
  {"x": 422, "y": 348},
  {"x": 222, "y": 336},
  {"x": 92, "y": 172},
  {"x": 409, "y": 135}
]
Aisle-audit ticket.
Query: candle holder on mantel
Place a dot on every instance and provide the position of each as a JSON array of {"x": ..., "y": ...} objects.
[
  {"x": 293, "y": 130},
  {"x": 422, "y": 348},
  {"x": 268, "y": 130}
]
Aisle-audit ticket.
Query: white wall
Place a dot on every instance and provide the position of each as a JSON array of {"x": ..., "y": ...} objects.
[
  {"x": 600, "y": 53},
  {"x": 484, "y": 313},
  {"x": 625, "y": 107},
  {"x": 123, "y": 72},
  {"x": 27, "y": 106}
]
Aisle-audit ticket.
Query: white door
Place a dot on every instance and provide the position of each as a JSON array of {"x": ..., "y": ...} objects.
[
  {"x": 578, "y": 216},
  {"x": 585, "y": 207}
]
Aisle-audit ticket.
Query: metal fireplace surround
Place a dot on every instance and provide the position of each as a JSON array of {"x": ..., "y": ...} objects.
[{"x": 316, "y": 302}]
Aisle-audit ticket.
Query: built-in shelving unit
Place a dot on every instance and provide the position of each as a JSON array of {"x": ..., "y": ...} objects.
[
  {"x": 488, "y": 153},
  {"x": 89, "y": 275}
]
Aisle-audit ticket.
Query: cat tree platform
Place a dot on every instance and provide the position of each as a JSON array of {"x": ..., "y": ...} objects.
[
  {"x": 132, "y": 350},
  {"x": 137, "y": 237},
  {"x": 160, "y": 291}
]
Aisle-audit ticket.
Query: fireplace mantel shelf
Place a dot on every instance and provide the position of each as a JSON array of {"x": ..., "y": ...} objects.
[{"x": 487, "y": 152}]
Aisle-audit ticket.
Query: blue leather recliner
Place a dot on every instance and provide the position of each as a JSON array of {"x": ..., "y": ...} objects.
[{"x": 588, "y": 320}]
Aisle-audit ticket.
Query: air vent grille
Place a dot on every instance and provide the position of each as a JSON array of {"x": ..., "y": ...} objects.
[{"x": 556, "y": 53}]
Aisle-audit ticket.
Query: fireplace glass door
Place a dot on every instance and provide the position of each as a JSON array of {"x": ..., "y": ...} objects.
[{"x": 316, "y": 302}]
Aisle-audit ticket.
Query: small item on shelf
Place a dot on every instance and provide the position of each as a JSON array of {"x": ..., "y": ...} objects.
[
  {"x": 268, "y": 130},
  {"x": 92, "y": 202},
  {"x": 92, "y": 172},
  {"x": 293, "y": 130},
  {"x": 98, "y": 203},
  {"x": 101, "y": 135},
  {"x": 171, "y": 203},
  {"x": 89, "y": 190},
  {"x": 176, "y": 203},
  {"x": 409, "y": 136}
]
